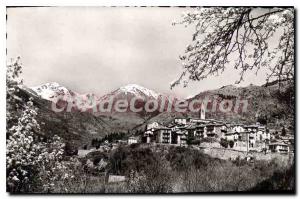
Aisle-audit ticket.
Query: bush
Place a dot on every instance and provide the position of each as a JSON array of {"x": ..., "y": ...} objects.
[
  {"x": 224, "y": 143},
  {"x": 209, "y": 139},
  {"x": 279, "y": 181},
  {"x": 231, "y": 143},
  {"x": 195, "y": 142},
  {"x": 70, "y": 150}
]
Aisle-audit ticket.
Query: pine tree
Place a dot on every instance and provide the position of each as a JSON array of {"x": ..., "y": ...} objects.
[{"x": 283, "y": 131}]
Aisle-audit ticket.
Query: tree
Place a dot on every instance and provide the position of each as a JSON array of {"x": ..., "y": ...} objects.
[
  {"x": 70, "y": 149},
  {"x": 21, "y": 150},
  {"x": 224, "y": 143},
  {"x": 262, "y": 120},
  {"x": 21, "y": 123},
  {"x": 283, "y": 131},
  {"x": 31, "y": 164},
  {"x": 254, "y": 38},
  {"x": 14, "y": 69},
  {"x": 231, "y": 143}
]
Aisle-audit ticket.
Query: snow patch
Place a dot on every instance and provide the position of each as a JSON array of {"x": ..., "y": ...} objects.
[{"x": 136, "y": 89}]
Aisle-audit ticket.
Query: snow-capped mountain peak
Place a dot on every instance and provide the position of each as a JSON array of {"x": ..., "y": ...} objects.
[
  {"x": 137, "y": 89},
  {"x": 51, "y": 91},
  {"x": 55, "y": 92}
]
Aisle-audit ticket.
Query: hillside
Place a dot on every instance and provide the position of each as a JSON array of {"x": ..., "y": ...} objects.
[
  {"x": 264, "y": 103},
  {"x": 79, "y": 127}
]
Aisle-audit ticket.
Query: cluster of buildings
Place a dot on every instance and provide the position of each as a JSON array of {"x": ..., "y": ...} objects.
[{"x": 184, "y": 131}]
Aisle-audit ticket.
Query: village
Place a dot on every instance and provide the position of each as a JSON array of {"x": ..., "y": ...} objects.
[
  {"x": 193, "y": 131},
  {"x": 218, "y": 139},
  {"x": 241, "y": 137},
  {"x": 210, "y": 133}
]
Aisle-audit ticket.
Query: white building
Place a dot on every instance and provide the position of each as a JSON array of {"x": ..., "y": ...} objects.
[
  {"x": 132, "y": 140},
  {"x": 182, "y": 121},
  {"x": 262, "y": 134},
  {"x": 237, "y": 128},
  {"x": 278, "y": 147}
]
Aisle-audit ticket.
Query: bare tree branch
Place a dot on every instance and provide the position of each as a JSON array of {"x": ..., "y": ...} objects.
[{"x": 244, "y": 36}]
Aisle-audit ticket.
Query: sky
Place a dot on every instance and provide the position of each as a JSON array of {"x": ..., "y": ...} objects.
[{"x": 99, "y": 49}]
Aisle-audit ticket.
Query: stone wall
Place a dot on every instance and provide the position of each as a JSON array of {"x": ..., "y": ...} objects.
[{"x": 232, "y": 154}]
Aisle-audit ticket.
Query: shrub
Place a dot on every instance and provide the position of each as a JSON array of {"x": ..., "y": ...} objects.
[
  {"x": 224, "y": 143},
  {"x": 195, "y": 142},
  {"x": 279, "y": 181},
  {"x": 70, "y": 150},
  {"x": 231, "y": 143}
]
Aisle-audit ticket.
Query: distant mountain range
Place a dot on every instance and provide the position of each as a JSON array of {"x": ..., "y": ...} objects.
[
  {"x": 54, "y": 92},
  {"x": 266, "y": 103}
]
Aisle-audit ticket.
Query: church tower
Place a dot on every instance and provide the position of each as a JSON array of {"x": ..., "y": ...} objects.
[{"x": 202, "y": 112}]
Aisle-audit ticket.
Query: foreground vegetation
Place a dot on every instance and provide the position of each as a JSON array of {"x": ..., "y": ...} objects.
[{"x": 165, "y": 169}]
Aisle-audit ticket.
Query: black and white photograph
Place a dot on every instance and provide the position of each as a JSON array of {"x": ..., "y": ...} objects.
[{"x": 150, "y": 100}]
